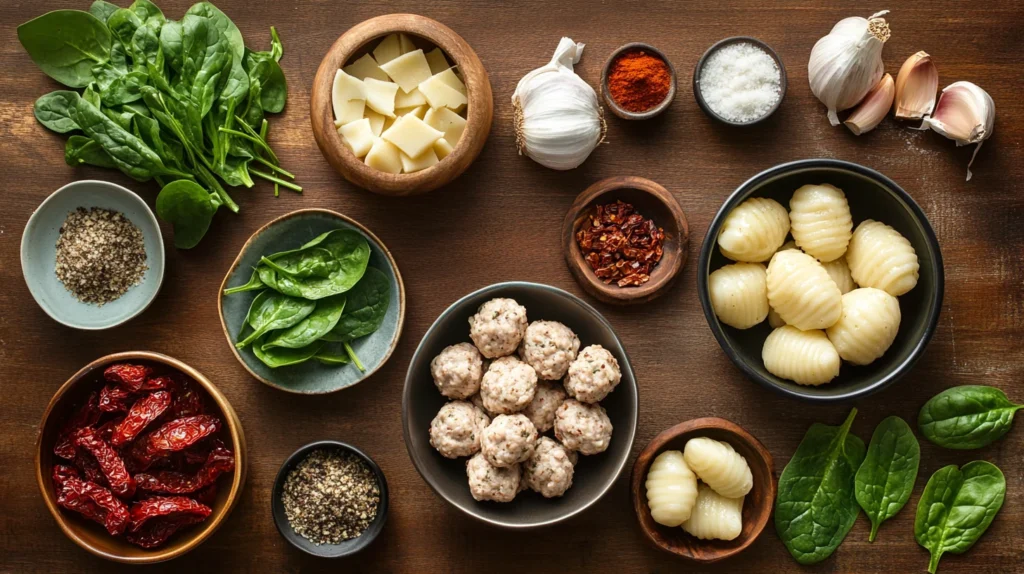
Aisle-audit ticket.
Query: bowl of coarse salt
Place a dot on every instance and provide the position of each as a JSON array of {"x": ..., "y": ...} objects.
[{"x": 739, "y": 81}]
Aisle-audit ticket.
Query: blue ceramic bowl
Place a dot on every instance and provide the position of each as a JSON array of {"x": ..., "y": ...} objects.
[
  {"x": 39, "y": 255},
  {"x": 289, "y": 232}
]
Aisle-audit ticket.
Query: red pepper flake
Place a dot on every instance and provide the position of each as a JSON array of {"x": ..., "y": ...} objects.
[{"x": 620, "y": 245}]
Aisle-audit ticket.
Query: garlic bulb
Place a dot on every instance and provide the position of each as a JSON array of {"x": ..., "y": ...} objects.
[
  {"x": 966, "y": 114},
  {"x": 873, "y": 108},
  {"x": 916, "y": 85},
  {"x": 558, "y": 120},
  {"x": 847, "y": 63}
]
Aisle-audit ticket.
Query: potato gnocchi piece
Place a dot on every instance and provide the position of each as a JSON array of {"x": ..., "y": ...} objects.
[
  {"x": 868, "y": 326},
  {"x": 802, "y": 292},
  {"x": 839, "y": 271},
  {"x": 754, "y": 230},
  {"x": 880, "y": 257},
  {"x": 715, "y": 516},
  {"x": 719, "y": 465},
  {"x": 671, "y": 489},
  {"x": 739, "y": 294},
  {"x": 820, "y": 221},
  {"x": 804, "y": 357}
]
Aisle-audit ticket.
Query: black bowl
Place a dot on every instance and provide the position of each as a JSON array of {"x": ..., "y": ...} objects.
[
  {"x": 871, "y": 196},
  {"x": 348, "y": 547},
  {"x": 594, "y": 474}
]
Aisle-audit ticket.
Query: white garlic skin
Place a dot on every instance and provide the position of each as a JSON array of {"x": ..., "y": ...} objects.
[{"x": 847, "y": 63}]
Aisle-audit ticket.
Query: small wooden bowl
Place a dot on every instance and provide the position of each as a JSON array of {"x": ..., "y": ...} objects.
[
  {"x": 699, "y": 96},
  {"x": 479, "y": 110},
  {"x": 92, "y": 536},
  {"x": 651, "y": 200},
  {"x": 757, "y": 505},
  {"x": 623, "y": 112}
]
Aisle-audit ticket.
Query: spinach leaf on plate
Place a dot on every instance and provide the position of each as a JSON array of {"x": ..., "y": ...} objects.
[
  {"x": 275, "y": 357},
  {"x": 887, "y": 475},
  {"x": 270, "y": 311},
  {"x": 312, "y": 328},
  {"x": 253, "y": 284},
  {"x": 367, "y": 305},
  {"x": 53, "y": 110},
  {"x": 957, "y": 507},
  {"x": 66, "y": 44},
  {"x": 967, "y": 417},
  {"x": 815, "y": 507},
  {"x": 331, "y": 355},
  {"x": 350, "y": 252}
]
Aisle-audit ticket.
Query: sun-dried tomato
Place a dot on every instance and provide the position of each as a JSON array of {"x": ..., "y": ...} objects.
[
  {"x": 87, "y": 415},
  {"x": 163, "y": 382},
  {"x": 61, "y": 473},
  {"x": 187, "y": 401},
  {"x": 130, "y": 376},
  {"x": 156, "y": 532},
  {"x": 167, "y": 507},
  {"x": 95, "y": 503},
  {"x": 174, "y": 436},
  {"x": 109, "y": 460},
  {"x": 621, "y": 246},
  {"x": 207, "y": 496},
  {"x": 140, "y": 415},
  {"x": 115, "y": 399},
  {"x": 90, "y": 469},
  {"x": 219, "y": 461}
]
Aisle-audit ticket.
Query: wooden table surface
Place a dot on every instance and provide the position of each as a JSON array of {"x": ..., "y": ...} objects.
[{"x": 500, "y": 221}]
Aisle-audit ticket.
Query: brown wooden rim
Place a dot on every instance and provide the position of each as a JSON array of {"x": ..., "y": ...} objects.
[
  {"x": 623, "y": 112},
  {"x": 585, "y": 276},
  {"x": 479, "y": 110},
  {"x": 370, "y": 235},
  {"x": 234, "y": 426}
]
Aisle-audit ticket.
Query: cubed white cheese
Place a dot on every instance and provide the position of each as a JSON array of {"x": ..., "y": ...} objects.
[
  {"x": 350, "y": 111},
  {"x": 412, "y": 135},
  {"x": 452, "y": 79},
  {"x": 405, "y": 43},
  {"x": 344, "y": 91},
  {"x": 409, "y": 100},
  {"x": 418, "y": 111},
  {"x": 385, "y": 157},
  {"x": 442, "y": 148},
  {"x": 439, "y": 94},
  {"x": 423, "y": 161},
  {"x": 380, "y": 96},
  {"x": 437, "y": 62},
  {"x": 408, "y": 70},
  {"x": 447, "y": 121},
  {"x": 358, "y": 135},
  {"x": 376, "y": 121},
  {"x": 366, "y": 67},
  {"x": 388, "y": 49}
]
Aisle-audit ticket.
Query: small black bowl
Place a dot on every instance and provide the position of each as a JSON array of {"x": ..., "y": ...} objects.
[
  {"x": 871, "y": 196},
  {"x": 348, "y": 547},
  {"x": 721, "y": 44}
]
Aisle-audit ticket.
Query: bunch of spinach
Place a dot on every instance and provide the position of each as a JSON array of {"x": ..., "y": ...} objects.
[
  {"x": 314, "y": 301},
  {"x": 182, "y": 103},
  {"x": 967, "y": 417}
]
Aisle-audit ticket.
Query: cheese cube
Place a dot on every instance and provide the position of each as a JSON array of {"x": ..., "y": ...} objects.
[
  {"x": 405, "y": 43},
  {"x": 447, "y": 121},
  {"x": 385, "y": 157},
  {"x": 365, "y": 67},
  {"x": 349, "y": 111},
  {"x": 358, "y": 136},
  {"x": 388, "y": 49},
  {"x": 418, "y": 111},
  {"x": 440, "y": 94},
  {"x": 388, "y": 122},
  {"x": 409, "y": 100},
  {"x": 376, "y": 122},
  {"x": 437, "y": 62},
  {"x": 408, "y": 70},
  {"x": 442, "y": 148},
  {"x": 380, "y": 96},
  {"x": 452, "y": 79},
  {"x": 425, "y": 160},
  {"x": 344, "y": 92},
  {"x": 412, "y": 135}
]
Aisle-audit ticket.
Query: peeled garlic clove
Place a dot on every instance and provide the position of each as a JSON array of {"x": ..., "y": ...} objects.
[
  {"x": 965, "y": 114},
  {"x": 873, "y": 109},
  {"x": 916, "y": 85},
  {"x": 847, "y": 63}
]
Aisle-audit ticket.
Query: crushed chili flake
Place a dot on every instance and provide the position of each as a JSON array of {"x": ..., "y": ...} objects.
[{"x": 620, "y": 245}]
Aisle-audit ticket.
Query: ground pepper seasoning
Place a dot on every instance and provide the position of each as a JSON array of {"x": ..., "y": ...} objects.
[
  {"x": 100, "y": 255},
  {"x": 620, "y": 245},
  {"x": 330, "y": 497},
  {"x": 638, "y": 81}
]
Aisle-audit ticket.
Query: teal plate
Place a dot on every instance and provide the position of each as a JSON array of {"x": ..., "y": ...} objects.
[
  {"x": 289, "y": 232},
  {"x": 39, "y": 255}
]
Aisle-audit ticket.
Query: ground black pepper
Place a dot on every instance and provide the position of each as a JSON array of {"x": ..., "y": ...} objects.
[
  {"x": 330, "y": 497},
  {"x": 100, "y": 255}
]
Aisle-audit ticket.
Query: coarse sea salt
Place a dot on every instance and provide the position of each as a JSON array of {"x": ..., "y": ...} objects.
[{"x": 740, "y": 82}]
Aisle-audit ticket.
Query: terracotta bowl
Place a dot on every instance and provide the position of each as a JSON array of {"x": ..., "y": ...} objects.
[
  {"x": 623, "y": 112},
  {"x": 757, "y": 505},
  {"x": 92, "y": 536},
  {"x": 360, "y": 39},
  {"x": 651, "y": 200}
]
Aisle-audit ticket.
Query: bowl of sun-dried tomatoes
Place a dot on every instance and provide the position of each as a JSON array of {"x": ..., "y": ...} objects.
[{"x": 139, "y": 457}]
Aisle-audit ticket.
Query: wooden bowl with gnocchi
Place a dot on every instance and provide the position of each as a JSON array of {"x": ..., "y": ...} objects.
[
  {"x": 703, "y": 489},
  {"x": 821, "y": 279}
]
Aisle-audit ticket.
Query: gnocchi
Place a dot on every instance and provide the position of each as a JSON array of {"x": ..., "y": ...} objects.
[
  {"x": 671, "y": 489},
  {"x": 802, "y": 292},
  {"x": 715, "y": 516},
  {"x": 719, "y": 466},
  {"x": 820, "y": 221},
  {"x": 839, "y": 271},
  {"x": 804, "y": 357},
  {"x": 739, "y": 294},
  {"x": 868, "y": 326},
  {"x": 880, "y": 257},
  {"x": 754, "y": 230}
]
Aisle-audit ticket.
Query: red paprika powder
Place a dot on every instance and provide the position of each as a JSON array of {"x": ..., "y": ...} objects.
[{"x": 638, "y": 81}]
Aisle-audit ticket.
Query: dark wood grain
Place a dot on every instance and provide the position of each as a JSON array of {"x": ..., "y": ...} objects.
[{"x": 501, "y": 220}]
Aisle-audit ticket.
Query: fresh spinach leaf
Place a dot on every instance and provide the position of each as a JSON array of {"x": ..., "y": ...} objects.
[
  {"x": 331, "y": 356},
  {"x": 275, "y": 357},
  {"x": 223, "y": 25},
  {"x": 367, "y": 305},
  {"x": 315, "y": 262},
  {"x": 122, "y": 24},
  {"x": 273, "y": 85},
  {"x": 355, "y": 358},
  {"x": 967, "y": 417},
  {"x": 887, "y": 475},
  {"x": 206, "y": 54},
  {"x": 189, "y": 208},
  {"x": 53, "y": 110},
  {"x": 350, "y": 251},
  {"x": 146, "y": 49},
  {"x": 102, "y": 10},
  {"x": 123, "y": 88},
  {"x": 253, "y": 284},
  {"x": 271, "y": 311},
  {"x": 66, "y": 44},
  {"x": 81, "y": 150},
  {"x": 312, "y": 328},
  {"x": 956, "y": 507},
  {"x": 815, "y": 507},
  {"x": 148, "y": 12},
  {"x": 171, "y": 44}
]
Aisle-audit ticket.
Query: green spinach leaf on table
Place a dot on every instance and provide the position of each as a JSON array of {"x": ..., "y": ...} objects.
[
  {"x": 887, "y": 475},
  {"x": 967, "y": 417},
  {"x": 122, "y": 24},
  {"x": 815, "y": 507},
  {"x": 957, "y": 507},
  {"x": 270, "y": 311},
  {"x": 312, "y": 328},
  {"x": 206, "y": 54},
  {"x": 81, "y": 150},
  {"x": 367, "y": 305},
  {"x": 171, "y": 44},
  {"x": 189, "y": 208},
  {"x": 148, "y": 13},
  {"x": 102, "y": 10},
  {"x": 275, "y": 357},
  {"x": 53, "y": 110},
  {"x": 66, "y": 44}
]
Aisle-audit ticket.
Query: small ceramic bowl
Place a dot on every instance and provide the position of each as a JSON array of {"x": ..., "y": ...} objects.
[
  {"x": 594, "y": 475},
  {"x": 289, "y": 232},
  {"x": 757, "y": 505},
  {"x": 92, "y": 536},
  {"x": 726, "y": 42},
  {"x": 347, "y": 547},
  {"x": 479, "y": 111},
  {"x": 650, "y": 200},
  {"x": 871, "y": 196},
  {"x": 39, "y": 255},
  {"x": 610, "y": 101}
]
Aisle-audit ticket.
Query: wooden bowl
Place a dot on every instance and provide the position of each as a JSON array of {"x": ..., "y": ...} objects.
[
  {"x": 92, "y": 536},
  {"x": 623, "y": 112},
  {"x": 757, "y": 505},
  {"x": 651, "y": 200},
  {"x": 479, "y": 110}
]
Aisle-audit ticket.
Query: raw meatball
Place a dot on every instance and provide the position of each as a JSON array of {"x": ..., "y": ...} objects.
[
  {"x": 509, "y": 440},
  {"x": 478, "y": 402},
  {"x": 489, "y": 482},
  {"x": 508, "y": 386},
  {"x": 541, "y": 410},
  {"x": 549, "y": 471},
  {"x": 582, "y": 427},
  {"x": 593, "y": 375},
  {"x": 498, "y": 327},
  {"x": 457, "y": 371},
  {"x": 549, "y": 347},
  {"x": 457, "y": 428}
]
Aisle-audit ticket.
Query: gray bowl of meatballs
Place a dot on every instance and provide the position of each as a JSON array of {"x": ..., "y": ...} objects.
[{"x": 520, "y": 405}]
